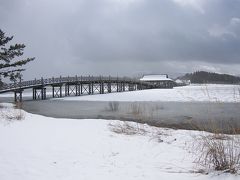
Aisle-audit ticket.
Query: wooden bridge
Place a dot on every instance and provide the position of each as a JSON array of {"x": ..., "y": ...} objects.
[{"x": 75, "y": 86}]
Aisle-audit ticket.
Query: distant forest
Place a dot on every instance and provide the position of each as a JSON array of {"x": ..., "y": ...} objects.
[{"x": 209, "y": 77}]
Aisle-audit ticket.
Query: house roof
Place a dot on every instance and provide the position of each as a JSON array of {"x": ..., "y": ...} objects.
[{"x": 159, "y": 77}]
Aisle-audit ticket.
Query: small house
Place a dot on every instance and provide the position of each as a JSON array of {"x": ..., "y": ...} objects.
[
  {"x": 159, "y": 81},
  {"x": 180, "y": 82}
]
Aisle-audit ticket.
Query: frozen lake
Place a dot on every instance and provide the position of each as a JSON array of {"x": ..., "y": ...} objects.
[{"x": 171, "y": 114}]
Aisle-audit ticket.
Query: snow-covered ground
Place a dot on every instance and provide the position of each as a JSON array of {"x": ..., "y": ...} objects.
[
  {"x": 202, "y": 93},
  {"x": 43, "y": 148}
]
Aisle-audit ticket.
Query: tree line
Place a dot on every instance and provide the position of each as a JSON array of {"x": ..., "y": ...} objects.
[{"x": 210, "y": 77}]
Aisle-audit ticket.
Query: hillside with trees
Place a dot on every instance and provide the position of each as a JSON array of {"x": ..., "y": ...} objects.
[{"x": 209, "y": 77}]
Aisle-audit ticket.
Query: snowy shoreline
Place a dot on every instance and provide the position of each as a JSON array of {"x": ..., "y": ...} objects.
[{"x": 39, "y": 147}]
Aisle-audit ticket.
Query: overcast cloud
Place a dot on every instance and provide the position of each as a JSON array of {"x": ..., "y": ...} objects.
[{"x": 125, "y": 37}]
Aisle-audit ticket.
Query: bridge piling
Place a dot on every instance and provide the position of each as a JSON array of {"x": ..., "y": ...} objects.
[
  {"x": 57, "y": 91},
  {"x": 18, "y": 96},
  {"x": 34, "y": 93},
  {"x": 117, "y": 85},
  {"x": 92, "y": 91},
  {"x": 109, "y": 88},
  {"x": 39, "y": 93},
  {"x": 89, "y": 88},
  {"x": 81, "y": 88}
]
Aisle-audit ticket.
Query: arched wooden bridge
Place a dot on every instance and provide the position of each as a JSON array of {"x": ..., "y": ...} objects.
[{"x": 76, "y": 86}]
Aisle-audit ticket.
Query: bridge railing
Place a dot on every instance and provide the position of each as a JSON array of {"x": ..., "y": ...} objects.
[{"x": 58, "y": 80}]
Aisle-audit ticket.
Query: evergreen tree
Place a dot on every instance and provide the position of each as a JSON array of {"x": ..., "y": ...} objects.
[{"x": 10, "y": 64}]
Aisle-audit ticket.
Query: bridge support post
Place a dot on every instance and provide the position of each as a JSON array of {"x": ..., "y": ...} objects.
[
  {"x": 72, "y": 89},
  {"x": 81, "y": 88},
  {"x": 101, "y": 88},
  {"x": 18, "y": 96},
  {"x": 89, "y": 88},
  {"x": 121, "y": 86},
  {"x": 60, "y": 91},
  {"x": 92, "y": 91},
  {"x": 57, "y": 91},
  {"x": 34, "y": 93},
  {"x": 67, "y": 90},
  {"x": 53, "y": 91},
  {"x": 78, "y": 90},
  {"x": 39, "y": 93},
  {"x": 109, "y": 87},
  {"x": 44, "y": 94}
]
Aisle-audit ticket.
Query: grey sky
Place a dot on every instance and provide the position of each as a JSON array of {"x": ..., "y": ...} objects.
[{"x": 125, "y": 37}]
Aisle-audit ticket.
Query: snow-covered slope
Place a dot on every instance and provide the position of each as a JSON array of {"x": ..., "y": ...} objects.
[{"x": 43, "y": 148}]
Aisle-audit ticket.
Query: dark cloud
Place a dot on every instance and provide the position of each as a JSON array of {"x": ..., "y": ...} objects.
[{"x": 125, "y": 37}]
